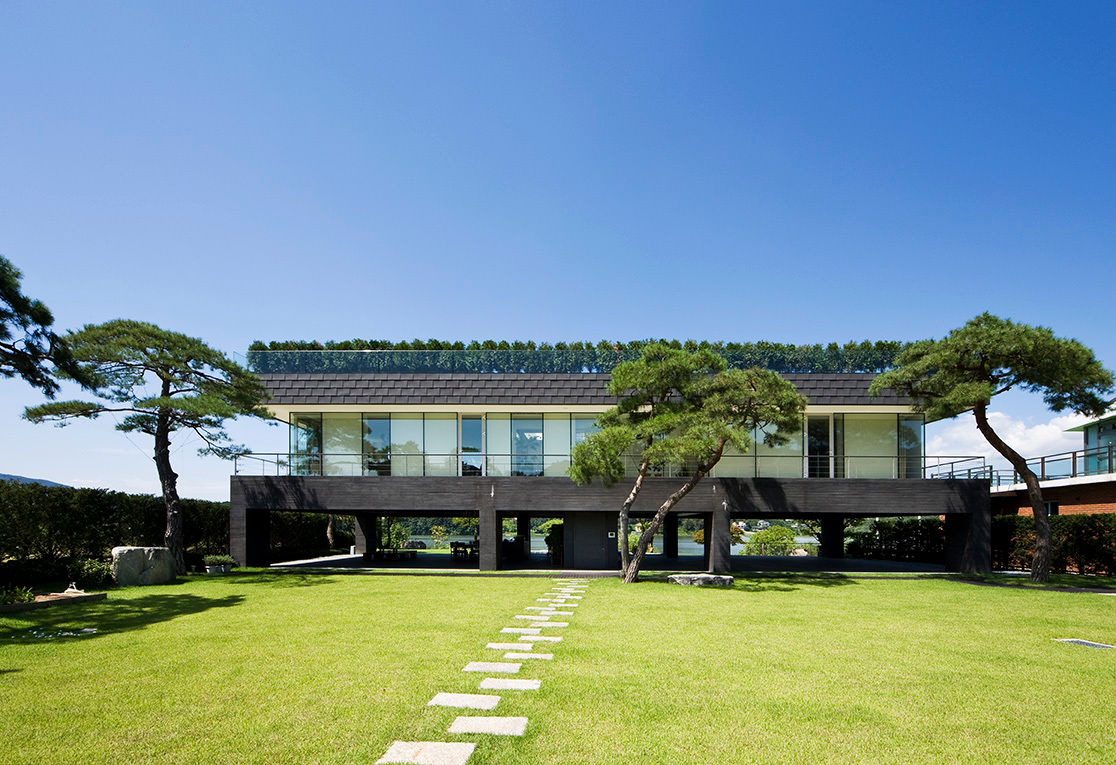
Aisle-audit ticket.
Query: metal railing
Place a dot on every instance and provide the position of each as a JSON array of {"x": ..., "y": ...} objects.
[
  {"x": 472, "y": 464},
  {"x": 1076, "y": 464}
]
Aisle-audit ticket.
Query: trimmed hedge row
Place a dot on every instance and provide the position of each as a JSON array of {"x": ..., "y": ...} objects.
[
  {"x": 55, "y": 523},
  {"x": 1082, "y": 544},
  {"x": 919, "y": 540},
  {"x": 518, "y": 356}
]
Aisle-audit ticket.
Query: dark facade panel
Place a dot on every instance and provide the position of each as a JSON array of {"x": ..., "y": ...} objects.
[{"x": 743, "y": 497}]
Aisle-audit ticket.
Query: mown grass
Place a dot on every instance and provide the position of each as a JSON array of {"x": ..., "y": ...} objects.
[{"x": 304, "y": 668}]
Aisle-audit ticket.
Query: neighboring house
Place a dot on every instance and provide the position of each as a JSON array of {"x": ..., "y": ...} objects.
[
  {"x": 1081, "y": 481},
  {"x": 378, "y": 434}
]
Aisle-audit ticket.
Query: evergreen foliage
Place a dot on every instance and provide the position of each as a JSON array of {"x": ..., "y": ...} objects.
[
  {"x": 681, "y": 408},
  {"x": 562, "y": 357},
  {"x": 196, "y": 389},
  {"x": 28, "y": 347},
  {"x": 989, "y": 356}
]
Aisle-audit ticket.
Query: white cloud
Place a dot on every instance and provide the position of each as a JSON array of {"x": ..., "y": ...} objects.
[{"x": 960, "y": 437}]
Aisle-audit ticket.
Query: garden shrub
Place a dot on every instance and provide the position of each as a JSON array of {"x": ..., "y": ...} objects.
[
  {"x": 89, "y": 573},
  {"x": 919, "y": 540},
  {"x": 777, "y": 540},
  {"x": 1081, "y": 544}
]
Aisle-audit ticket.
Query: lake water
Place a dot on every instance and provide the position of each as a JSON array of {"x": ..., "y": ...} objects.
[{"x": 686, "y": 545}]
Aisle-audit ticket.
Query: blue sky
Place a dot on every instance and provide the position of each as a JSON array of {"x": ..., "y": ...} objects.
[{"x": 799, "y": 172}]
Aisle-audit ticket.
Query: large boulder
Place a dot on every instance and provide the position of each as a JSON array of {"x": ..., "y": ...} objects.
[
  {"x": 133, "y": 566},
  {"x": 701, "y": 580}
]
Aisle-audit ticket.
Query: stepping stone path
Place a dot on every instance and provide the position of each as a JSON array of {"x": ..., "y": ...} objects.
[{"x": 458, "y": 752}]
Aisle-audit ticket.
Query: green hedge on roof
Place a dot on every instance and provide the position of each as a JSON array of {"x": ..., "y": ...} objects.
[{"x": 864, "y": 356}]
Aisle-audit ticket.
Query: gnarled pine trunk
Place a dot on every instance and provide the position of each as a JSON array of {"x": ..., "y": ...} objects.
[
  {"x": 632, "y": 572},
  {"x": 168, "y": 481},
  {"x": 1040, "y": 564},
  {"x": 625, "y": 554}
]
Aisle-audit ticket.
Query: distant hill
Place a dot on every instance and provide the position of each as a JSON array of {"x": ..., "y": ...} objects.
[{"x": 25, "y": 479}]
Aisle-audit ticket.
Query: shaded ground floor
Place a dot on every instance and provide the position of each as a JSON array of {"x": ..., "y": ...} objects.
[
  {"x": 589, "y": 538},
  {"x": 443, "y": 564}
]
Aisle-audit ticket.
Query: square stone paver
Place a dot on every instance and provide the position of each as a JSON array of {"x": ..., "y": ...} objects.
[
  {"x": 522, "y": 655},
  {"x": 545, "y": 638},
  {"x": 428, "y": 753},
  {"x": 509, "y": 684},
  {"x": 464, "y": 700},
  {"x": 521, "y": 630},
  {"x": 496, "y": 726},
  {"x": 507, "y": 646},
  {"x": 492, "y": 666},
  {"x": 535, "y": 608},
  {"x": 552, "y": 612},
  {"x": 534, "y": 617},
  {"x": 550, "y": 624}
]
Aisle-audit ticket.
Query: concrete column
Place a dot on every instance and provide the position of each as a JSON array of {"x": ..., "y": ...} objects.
[
  {"x": 489, "y": 538},
  {"x": 670, "y": 536},
  {"x": 968, "y": 542},
  {"x": 364, "y": 532},
  {"x": 831, "y": 542},
  {"x": 249, "y": 530},
  {"x": 720, "y": 547}
]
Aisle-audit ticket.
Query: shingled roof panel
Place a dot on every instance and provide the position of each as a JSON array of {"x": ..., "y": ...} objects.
[{"x": 498, "y": 389}]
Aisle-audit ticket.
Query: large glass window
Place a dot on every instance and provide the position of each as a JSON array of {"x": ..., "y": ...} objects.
[
  {"x": 735, "y": 465},
  {"x": 871, "y": 445},
  {"x": 341, "y": 443},
  {"x": 556, "y": 443},
  {"x": 377, "y": 444},
  {"x": 583, "y": 425},
  {"x": 498, "y": 440},
  {"x": 817, "y": 447},
  {"x": 306, "y": 444},
  {"x": 783, "y": 461},
  {"x": 472, "y": 447},
  {"x": 441, "y": 443},
  {"x": 910, "y": 447},
  {"x": 527, "y": 444},
  {"x": 406, "y": 444}
]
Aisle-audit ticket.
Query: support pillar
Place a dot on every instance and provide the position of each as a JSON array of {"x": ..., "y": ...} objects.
[
  {"x": 365, "y": 532},
  {"x": 249, "y": 530},
  {"x": 831, "y": 542},
  {"x": 488, "y": 535},
  {"x": 670, "y": 536},
  {"x": 720, "y": 547},
  {"x": 968, "y": 542}
]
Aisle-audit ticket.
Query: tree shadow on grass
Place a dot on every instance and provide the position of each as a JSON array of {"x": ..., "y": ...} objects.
[
  {"x": 106, "y": 617},
  {"x": 774, "y": 582},
  {"x": 282, "y": 579}
]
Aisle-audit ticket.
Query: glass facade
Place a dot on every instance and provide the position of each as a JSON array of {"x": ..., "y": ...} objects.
[{"x": 842, "y": 445}]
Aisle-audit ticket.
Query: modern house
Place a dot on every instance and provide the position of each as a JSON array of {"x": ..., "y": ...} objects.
[
  {"x": 1076, "y": 482},
  {"x": 487, "y": 434}
]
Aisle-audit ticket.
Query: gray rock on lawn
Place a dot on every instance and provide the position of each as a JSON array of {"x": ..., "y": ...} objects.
[
  {"x": 701, "y": 580},
  {"x": 133, "y": 566}
]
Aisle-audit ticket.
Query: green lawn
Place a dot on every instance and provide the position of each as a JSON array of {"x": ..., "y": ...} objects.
[{"x": 304, "y": 668}]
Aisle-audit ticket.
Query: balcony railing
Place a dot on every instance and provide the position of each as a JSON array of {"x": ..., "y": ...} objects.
[
  {"x": 1076, "y": 464},
  {"x": 388, "y": 464}
]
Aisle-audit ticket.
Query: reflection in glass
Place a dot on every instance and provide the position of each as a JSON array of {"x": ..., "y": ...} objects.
[
  {"x": 498, "y": 440},
  {"x": 377, "y": 444},
  {"x": 910, "y": 446},
  {"x": 871, "y": 445},
  {"x": 306, "y": 444},
  {"x": 556, "y": 442},
  {"x": 471, "y": 445},
  {"x": 341, "y": 447},
  {"x": 817, "y": 447},
  {"x": 406, "y": 444},
  {"x": 441, "y": 443},
  {"x": 527, "y": 444},
  {"x": 783, "y": 461},
  {"x": 583, "y": 425}
]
